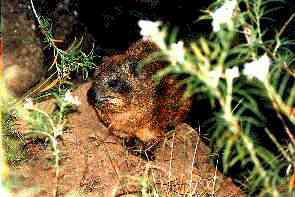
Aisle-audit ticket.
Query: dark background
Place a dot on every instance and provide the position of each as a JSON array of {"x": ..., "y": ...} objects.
[{"x": 113, "y": 23}]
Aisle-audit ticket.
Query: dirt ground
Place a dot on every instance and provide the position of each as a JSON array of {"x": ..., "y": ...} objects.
[{"x": 95, "y": 163}]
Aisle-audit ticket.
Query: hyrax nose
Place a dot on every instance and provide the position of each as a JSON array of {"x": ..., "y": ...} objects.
[
  {"x": 96, "y": 97},
  {"x": 91, "y": 95}
]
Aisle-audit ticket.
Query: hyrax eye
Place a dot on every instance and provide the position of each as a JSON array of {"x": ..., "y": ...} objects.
[{"x": 120, "y": 86}]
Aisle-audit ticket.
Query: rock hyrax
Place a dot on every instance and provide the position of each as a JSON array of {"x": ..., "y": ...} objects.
[{"x": 129, "y": 102}]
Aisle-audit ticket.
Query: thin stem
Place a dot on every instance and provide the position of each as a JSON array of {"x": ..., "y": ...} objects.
[{"x": 35, "y": 13}]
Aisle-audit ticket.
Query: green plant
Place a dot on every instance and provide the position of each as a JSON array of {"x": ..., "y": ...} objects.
[
  {"x": 13, "y": 142},
  {"x": 65, "y": 62},
  {"x": 212, "y": 66},
  {"x": 38, "y": 123}
]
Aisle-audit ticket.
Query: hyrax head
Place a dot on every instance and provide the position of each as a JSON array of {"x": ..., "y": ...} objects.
[{"x": 129, "y": 102}]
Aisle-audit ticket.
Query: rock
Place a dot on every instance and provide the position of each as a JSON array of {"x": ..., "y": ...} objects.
[
  {"x": 23, "y": 51},
  {"x": 23, "y": 55}
]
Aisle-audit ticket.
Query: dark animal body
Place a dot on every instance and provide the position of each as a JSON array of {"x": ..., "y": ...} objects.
[{"x": 130, "y": 103}]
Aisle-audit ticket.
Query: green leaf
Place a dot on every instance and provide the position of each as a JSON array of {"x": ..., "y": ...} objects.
[{"x": 267, "y": 156}]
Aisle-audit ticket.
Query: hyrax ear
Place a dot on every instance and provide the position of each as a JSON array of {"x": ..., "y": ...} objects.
[
  {"x": 172, "y": 105},
  {"x": 141, "y": 49},
  {"x": 143, "y": 53},
  {"x": 108, "y": 63}
]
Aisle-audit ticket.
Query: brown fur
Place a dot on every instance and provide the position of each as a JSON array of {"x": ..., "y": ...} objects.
[{"x": 129, "y": 102}]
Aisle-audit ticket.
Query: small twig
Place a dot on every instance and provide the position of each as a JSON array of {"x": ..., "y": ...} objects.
[
  {"x": 115, "y": 167},
  {"x": 57, "y": 40},
  {"x": 290, "y": 72},
  {"x": 289, "y": 133},
  {"x": 214, "y": 179},
  {"x": 54, "y": 62},
  {"x": 194, "y": 158},
  {"x": 286, "y": 24},
  {"x": 171, "y": 159},
  {"x": 35, "y": 13},
  {"x": 281, "y": 149}
]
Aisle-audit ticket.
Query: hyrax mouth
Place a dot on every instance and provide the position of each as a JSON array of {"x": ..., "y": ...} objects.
[
  {"x": 107, "y": 103},
  {"x": 97, "y": 98}
]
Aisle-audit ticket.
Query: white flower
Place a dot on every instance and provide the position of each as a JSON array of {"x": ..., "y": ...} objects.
[
  {"x": 288, "y": 170},
  {"x": 258, "y": 68},
  {"x": 4, "y": 192},
  {"x": 223, "y": 14},
  {"x": 176, "y": 52},
  {"x": 149, "y": 28},
  {"x": 214, "y": 76},
  {"x": 232, "y": 72},
  {"x": 150, "y": 31},
  {"x": 58, "y": 131},
  {"x": 28, "y": 104},
  {"x": 71, "y": 99}
]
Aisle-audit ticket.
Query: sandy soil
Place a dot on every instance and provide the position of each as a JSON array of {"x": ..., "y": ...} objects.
[{"x": 95, "y": 163}]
